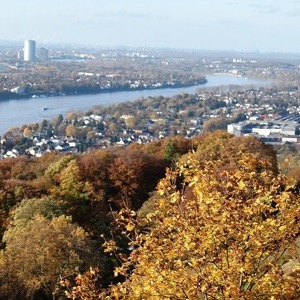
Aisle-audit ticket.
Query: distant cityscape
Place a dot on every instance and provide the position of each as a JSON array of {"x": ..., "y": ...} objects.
[
  {"x": 29, "y": 53},
  {"x": 33, "y": 72}
]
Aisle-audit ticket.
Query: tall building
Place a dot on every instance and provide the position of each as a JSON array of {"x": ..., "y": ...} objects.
[
  {"x": 43, "y": 54},
  {"x": 29, "y": 50}
]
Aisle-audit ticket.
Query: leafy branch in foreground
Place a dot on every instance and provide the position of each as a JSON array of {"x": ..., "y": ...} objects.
[{"x": 226, "y": 233}]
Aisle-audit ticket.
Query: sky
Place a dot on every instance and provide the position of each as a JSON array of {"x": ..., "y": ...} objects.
[{"x": 238, "y": 25}]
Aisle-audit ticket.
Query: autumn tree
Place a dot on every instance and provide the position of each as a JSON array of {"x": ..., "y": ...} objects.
[
  {"x": 215, "y": 124},
  {"x": 71, "y": 117},
  {"x": 222, "y": 233},
  {"x": 225, "y": 147},
  {"x": 131, "y": 121},
  {"x": 91, "y": 134},
  {"x": 70, "y": 190},
  {"x": 38, "y": 254},
  {"x": 133, "y": 174},
  {"x": 61, "y": 129},
  {"x": 57, "y": 120},
  {"x": 28, "y": 132},
  {"x": 124, "y": 177},
  {"x": 71, "y": 130},
  {"x": 15, "y": 131},
  {"x": 94, "y": 167}
]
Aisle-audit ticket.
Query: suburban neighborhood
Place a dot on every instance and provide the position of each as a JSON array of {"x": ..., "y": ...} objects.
[{"x": 267, "y": 113}]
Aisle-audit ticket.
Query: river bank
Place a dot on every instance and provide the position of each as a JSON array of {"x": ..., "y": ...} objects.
[
  {"x": 15, "y": 113},
  {"x": 87, "y": 90}
]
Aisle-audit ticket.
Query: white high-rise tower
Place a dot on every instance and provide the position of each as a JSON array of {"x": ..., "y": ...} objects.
[{"x": 29, "y": 50}]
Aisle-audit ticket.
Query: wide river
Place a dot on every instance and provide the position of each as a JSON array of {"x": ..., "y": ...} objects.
[{"x": 15, "y": 113}]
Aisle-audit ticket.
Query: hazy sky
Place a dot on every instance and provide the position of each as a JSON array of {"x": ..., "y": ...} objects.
[{"x": 249, "y": 25}]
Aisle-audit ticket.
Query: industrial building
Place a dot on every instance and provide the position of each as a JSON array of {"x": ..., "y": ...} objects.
[{"x": 275, "y": 131}]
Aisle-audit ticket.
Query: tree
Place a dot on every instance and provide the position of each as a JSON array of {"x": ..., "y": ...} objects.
[
  {"x": 28, "y": 132},
  {"x": 57, "y": 120},
  {"x": 133, "y": 174},
  {"x": 225, "y": 147},
  {"x": 71, "y": 187},
  {"x": 44, "y": 124},
  {"x": 72, "y": 191},
  {"x": 91, "y": 134},
  {"x": 8, "y": 135},
  {"x": 95, "y": 167},
  {"x": 171, "y": 152},
  {"x": 71, "y": 130},
  {"x": 56, "y": 167},
  {"x": 217, "y": 233},
  {"x": 131, "y": 121},
  {"x": 26, "y": 211},
  {"x": 71, "y": 117},
  {"x": 215, "y": 124},
  {"x": 38, "y": 255},
  {"x": 15, "y": 130}
]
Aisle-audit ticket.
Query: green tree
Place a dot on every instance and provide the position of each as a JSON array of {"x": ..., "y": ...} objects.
[
  {"x": 171, "y": 152},
  {"x": 29, "y": 208}
]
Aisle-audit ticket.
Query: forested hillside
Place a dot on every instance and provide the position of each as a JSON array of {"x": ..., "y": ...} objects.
[{"x": 204, "y": 218}]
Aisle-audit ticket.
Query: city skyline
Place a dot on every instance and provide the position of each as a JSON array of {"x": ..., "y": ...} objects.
[{"x": 272, "y": 26}]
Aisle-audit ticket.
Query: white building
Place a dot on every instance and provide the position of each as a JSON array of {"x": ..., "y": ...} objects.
[{"x": 29, "y": 50}]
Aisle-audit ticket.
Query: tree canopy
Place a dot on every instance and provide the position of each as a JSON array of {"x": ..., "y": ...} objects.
[
  {"x": 40, "y": 254},
  {"x": 223, "y": 223},
  {"x": 217, "y": 233}
]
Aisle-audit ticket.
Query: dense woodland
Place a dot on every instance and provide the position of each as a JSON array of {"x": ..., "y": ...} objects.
[{"x": 206, "y": 218}]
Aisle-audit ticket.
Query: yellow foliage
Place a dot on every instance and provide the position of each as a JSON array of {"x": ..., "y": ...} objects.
[
  {"x": 41, "y": 252},
  {"x": 222, "y": 233}
]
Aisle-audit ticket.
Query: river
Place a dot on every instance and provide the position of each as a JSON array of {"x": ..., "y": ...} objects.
[{"x": 15, "y": 113}]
